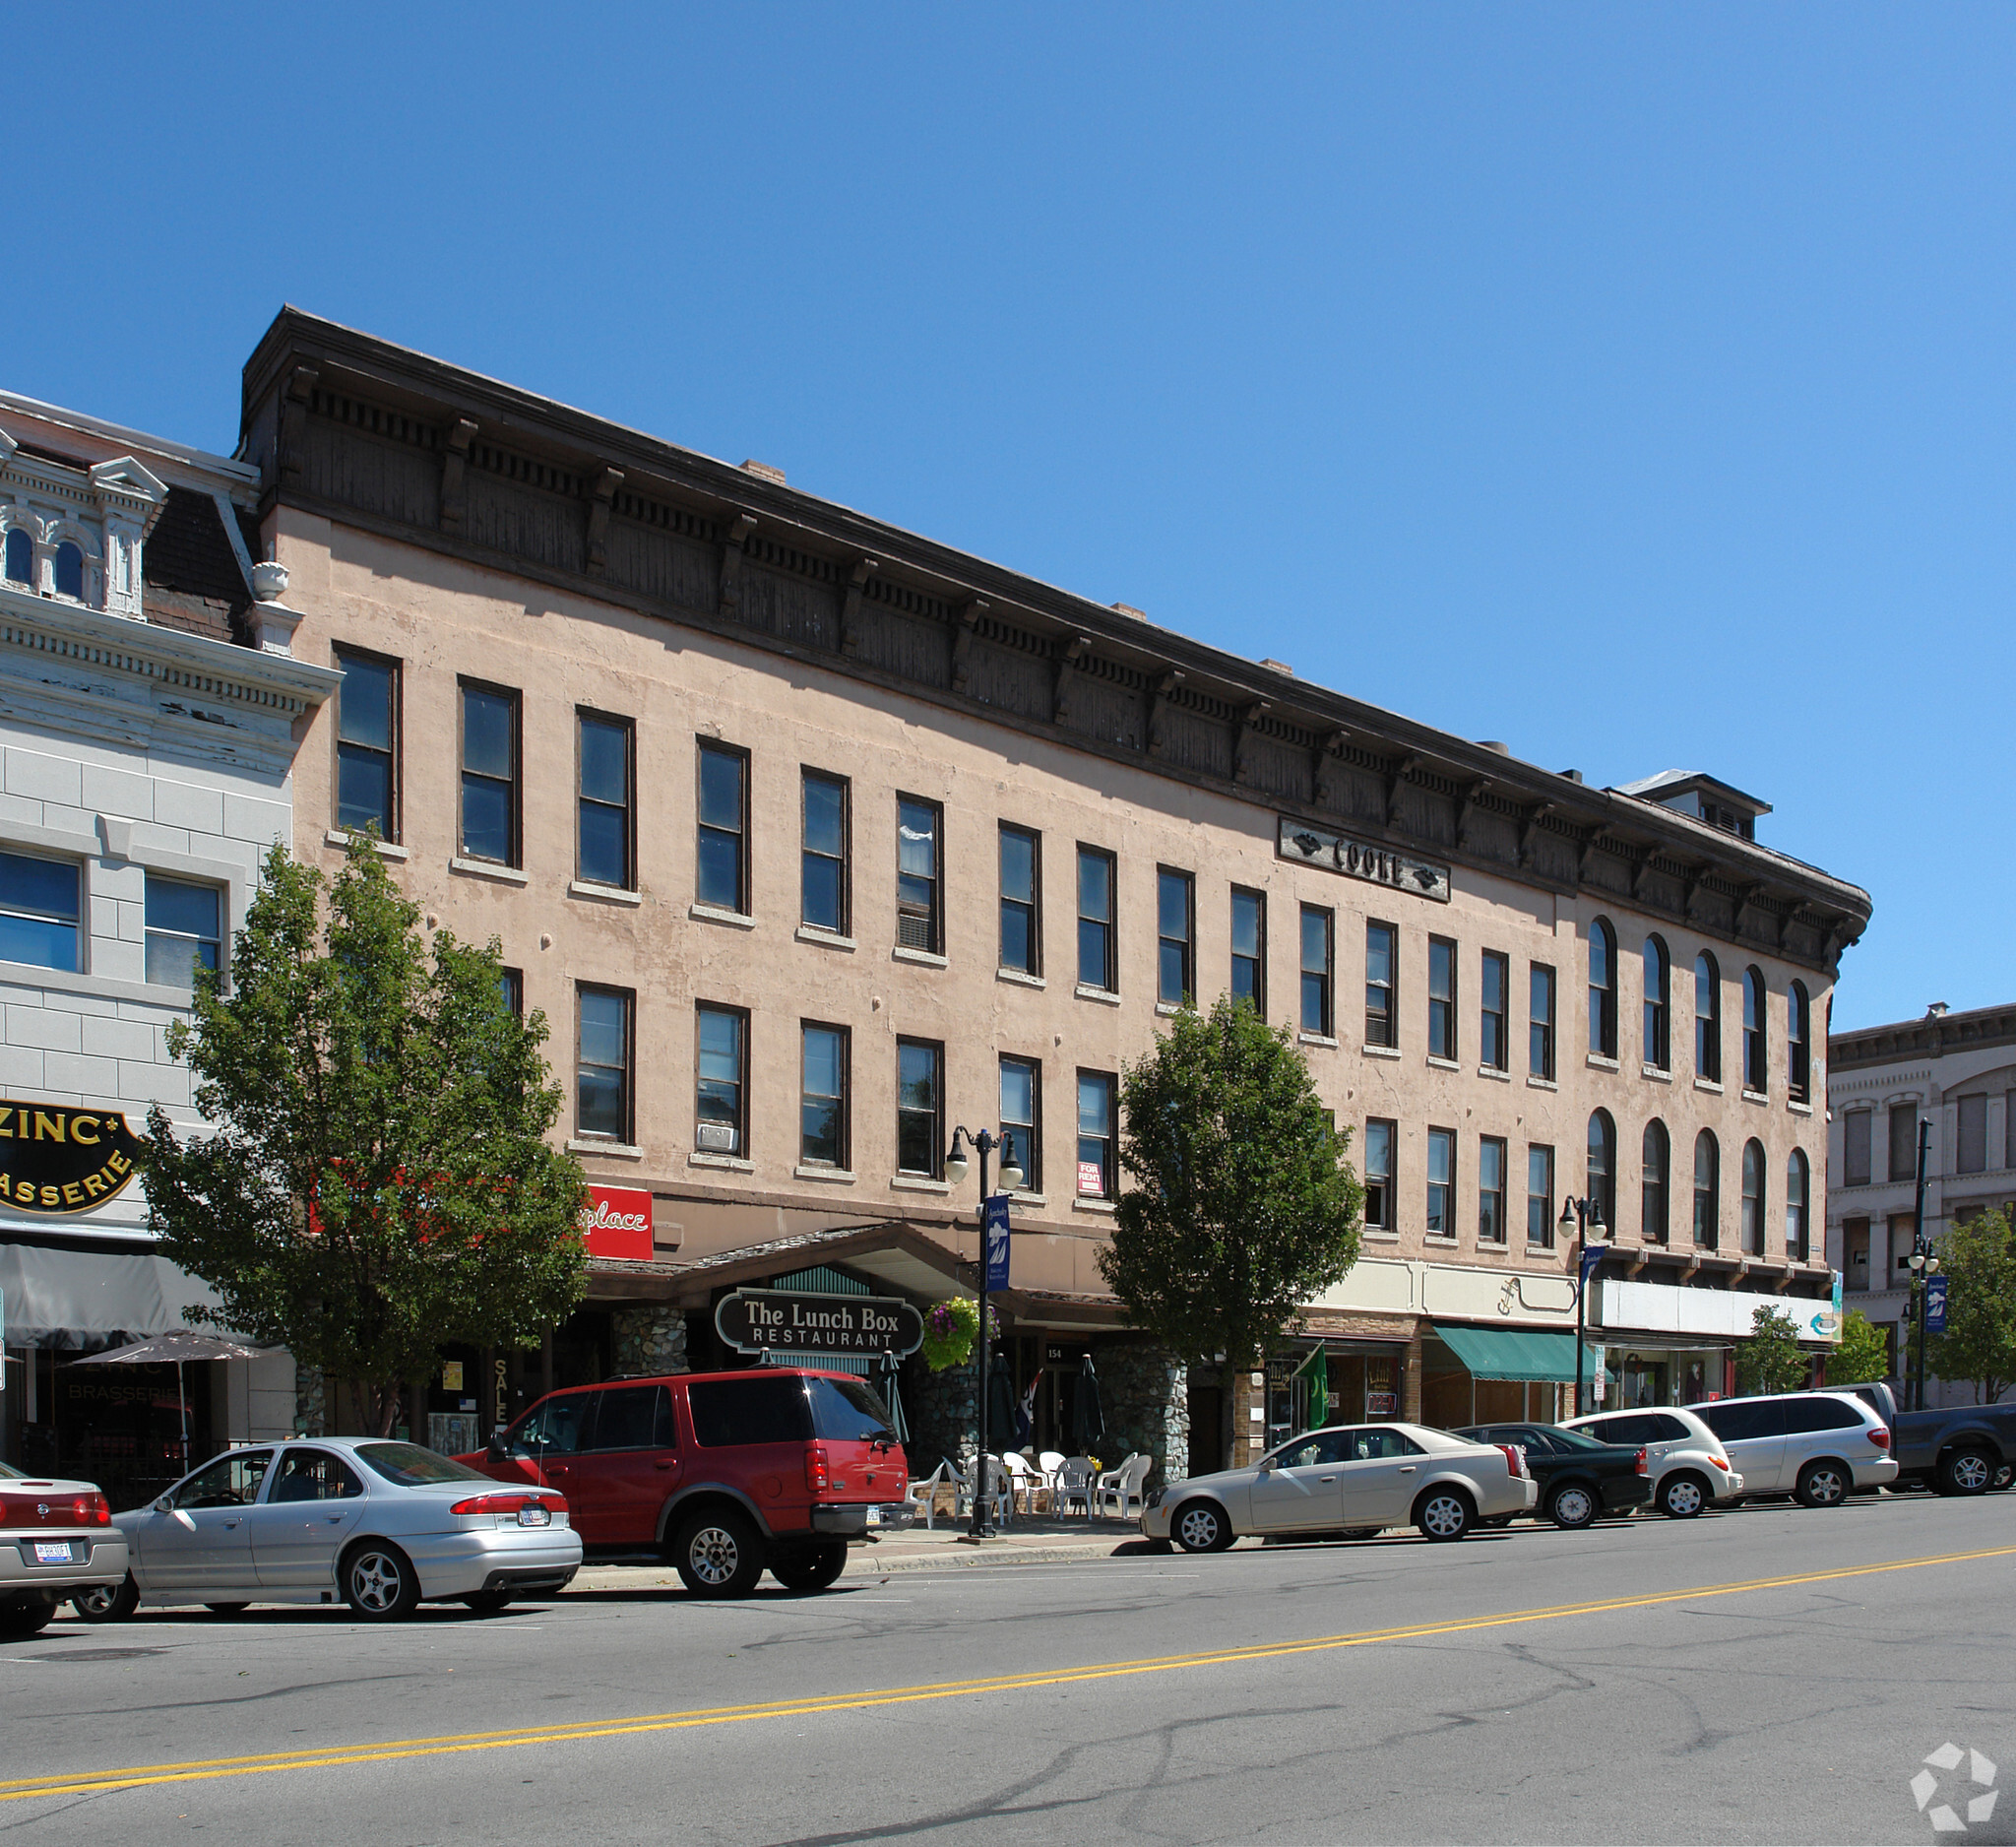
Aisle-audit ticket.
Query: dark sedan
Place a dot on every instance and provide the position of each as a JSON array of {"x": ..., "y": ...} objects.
[{"x": 1579, "y": 1477}]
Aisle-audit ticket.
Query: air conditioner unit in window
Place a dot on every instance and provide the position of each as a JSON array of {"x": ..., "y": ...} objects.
[
  {"x": 914, "y": 930},
  {"x": 718, "y": 1138}
]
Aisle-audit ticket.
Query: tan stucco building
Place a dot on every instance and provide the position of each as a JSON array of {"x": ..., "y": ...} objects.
[{"x": 813, "y": 839}]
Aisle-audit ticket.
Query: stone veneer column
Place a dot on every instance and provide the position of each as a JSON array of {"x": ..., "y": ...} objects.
[
  {"x": 1411, "y": 1379},
  {"x": 649, "y": 1339},
  {"x": 1145, "y": 1394}
]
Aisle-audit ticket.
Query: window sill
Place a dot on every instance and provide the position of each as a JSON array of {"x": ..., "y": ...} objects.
[
  {"x": 826, "y": 939},
  {"x": 1541, "y": 1083},
  {"x": 1385, "y": 1237},
  {"x": 1538, "y": 1251},
  {"x": 1168, "y": 1009},
  {"x": 1085, "y": 1204},
  {"x": 1799, "y": 1108},
  {"x": 1104, "y": 995},
  {"x": 1380, "y": 1051},
  {"x": 734, "y": 1164},
  {"x": 1492, "y": 1072},
  {"x": 1708, "y": 1084},
  {"x": 594, "y": 1144},
  {"x": 1029, "y": 1200},
  {"x": 918, "y": 1183},
  {"x": 1019, "y": 978},
  {"x": 489, "y": 868},
  {"x": 605, "y": 894},
  {"x": 923, "y": 958},
  {"x": 1756, "y": 1096},
  {"x": 387, "y": 849},
  {"x": 713, "y": 914},
  {"x": 838, "y": 1177},
  {"x": 1441, "y": 1242},
  {"x": 1658, "y": 1074},
  {"x": 1316, "y": 1039},
  {"x": 1597, "y": 1063},
  {"x": 1442, "y": 1065}
]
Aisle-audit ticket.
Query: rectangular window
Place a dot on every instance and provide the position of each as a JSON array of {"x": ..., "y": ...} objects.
[
  {"x": 40, "y": 909},
  {"x": 919, "y": 1106},
  {"x": 1441, "y": 997},
  {"x": 823, "y": 883},
  {"x": 1539, "y": 1026},
  {"x": 1855, "y": 1148},
  {"x": 1540, "y": 1196},
  {"x": 1490, "y": 1191},
  {"x": 1441, "y": 1182},
  {"x": 601, "y": 1083},
  {"x": 489, "y": 774},
  {"x": 184, "y": 931},
  {"x": 1381, "y": 953},
  {"x": 822, "y": 1096},
  {"x": 1095, "y": 1135},
  {"x": 1175, "y": 920},
  {"x": 1971, "y": 1156},
  {"x": 918, "y": 828},
  {"x": 368, "y": 743},
  {"x": 1022, "y": 1111},
  {"x": 1250, "y": 948},
  {"x": 1379, "y": 1141},
  {"x": 1494, "y": 1020},
  {"x": 603, "y": 846},
  {"x": 511, "y": 991},
  {"x": 723, "y": 879},
  {"x": 1021, "y": 863},
  {"x": 1318, "y": 938},
  {"x": 1903, "y": 1141},
  {"x": 1095, "y": 967},
  {"x": 2009, "y": 1130},
  {"x": 720, "y": 1096}
]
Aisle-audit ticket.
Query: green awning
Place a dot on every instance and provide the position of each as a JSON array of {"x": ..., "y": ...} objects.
[{"x": 1514, "y": 1353}]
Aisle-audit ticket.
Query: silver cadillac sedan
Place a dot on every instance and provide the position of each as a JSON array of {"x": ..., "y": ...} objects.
[
  {"x": 1352, "y": 1481},
  {"x": 56, "y": 1538},
  {"x": 380, "y": 1525}
]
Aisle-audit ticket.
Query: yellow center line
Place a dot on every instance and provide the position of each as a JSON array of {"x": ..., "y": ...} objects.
[{"x": 102, "y": 1782}]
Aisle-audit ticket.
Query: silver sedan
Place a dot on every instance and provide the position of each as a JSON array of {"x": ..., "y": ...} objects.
[
  {"x": 56, "y": 1537},
  {"x": 380, "y": 1525}
]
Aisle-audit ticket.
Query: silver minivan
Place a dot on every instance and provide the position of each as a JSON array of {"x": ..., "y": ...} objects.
[{"x": 1817, "y": 1447}]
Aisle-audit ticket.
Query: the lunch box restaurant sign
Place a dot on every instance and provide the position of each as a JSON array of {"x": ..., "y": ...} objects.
[
  {"x": 61, "y": 1160},
  {"x": 773, "y": 1320}
]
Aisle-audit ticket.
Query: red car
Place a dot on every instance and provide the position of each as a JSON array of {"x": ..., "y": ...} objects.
[{"x": 725, "y": 1473}]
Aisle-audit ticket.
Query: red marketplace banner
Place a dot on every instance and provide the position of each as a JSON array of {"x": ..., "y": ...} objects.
[{"x": 617, "y": 1223}]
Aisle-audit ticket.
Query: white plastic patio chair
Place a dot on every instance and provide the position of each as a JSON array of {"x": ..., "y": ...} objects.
[
  {"x": 1026, "y": 1482},
  {"x": 999, "y": 1494},
  {"x": 924, "y": 1494},
  {"x": 1073, "y": 1484},
  {"x": 1119, "y": 1487}
]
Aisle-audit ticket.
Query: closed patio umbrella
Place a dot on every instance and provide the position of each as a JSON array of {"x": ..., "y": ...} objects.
[
  {"x": 178, "y": 1347},
  {"x": 1088, "y": 1419},
  {"x": 1001, "y": 1404},
  {"x": 893, "y": 1398}
]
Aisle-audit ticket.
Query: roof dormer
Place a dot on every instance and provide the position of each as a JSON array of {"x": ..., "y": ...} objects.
[{"x": 72, "y": 531}]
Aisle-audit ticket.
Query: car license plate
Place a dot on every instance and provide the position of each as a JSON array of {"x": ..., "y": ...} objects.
[
  {"x": 535, "y": 1516},
  {"x": 874, "y": 1516},
  {"x": 52, "y": 1552}
]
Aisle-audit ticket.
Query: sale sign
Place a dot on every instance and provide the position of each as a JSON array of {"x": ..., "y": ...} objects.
[{"x": 617, "y": 1223}]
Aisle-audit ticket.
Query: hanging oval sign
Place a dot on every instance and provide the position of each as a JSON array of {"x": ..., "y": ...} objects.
[
  {"x": 780, "y": 1320},
  {"x": 56, "y": 1158}
]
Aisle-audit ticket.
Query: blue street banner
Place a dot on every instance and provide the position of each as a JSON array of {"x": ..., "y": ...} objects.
[
  {"x": 1591, "y": 1257},
  {"x": 1935, "y": 1304},
  {"x": 994, "y": 1234}
]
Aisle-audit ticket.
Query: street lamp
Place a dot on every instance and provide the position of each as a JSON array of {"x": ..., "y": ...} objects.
[
  {"x": 1587, "y": 1214},
  {"x": 1923, "y": 1262},
  {"x": 984, "y": 1143}
]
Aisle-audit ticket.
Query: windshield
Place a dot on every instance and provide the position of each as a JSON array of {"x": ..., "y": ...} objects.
[
  {"x": 849, "y": 1411},
  {"x": 409, "y": 1465},
  {"x": 9, "y": 1474},
  {"x": 1580, "y": 1440}
]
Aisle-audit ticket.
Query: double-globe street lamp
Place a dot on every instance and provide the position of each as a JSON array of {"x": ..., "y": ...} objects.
[
  {"x": 1924, "y": 1260},
  {"x": 1587, "y": 1213},
  {"x": 983, "y": 1143}
]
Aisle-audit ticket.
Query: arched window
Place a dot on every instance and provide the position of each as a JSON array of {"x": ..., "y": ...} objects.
[
  {"x": 1602, "y": 989},
  {"x": 1656, "y": 1191},
  {"x": 70, "y": 570},
  {"x": 1658, "y": 1041},
  {"x": 20, "y": 556},
  {"x": 1798, "y": 1044},
  {"x": 1602, "y": 1167},
  {"x": 1707, "y": 1191},
  {"x": 1798, "y": 1179},
  {"x": 1706, "y": 1019},
  {"x": 1756, "y": 1068},
  {"x": 1753, "y": 1198}
]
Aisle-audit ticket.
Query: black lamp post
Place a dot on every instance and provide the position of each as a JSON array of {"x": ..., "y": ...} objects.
[
  {"x": 1924, "y": 1260},
  {"x": 1587, "y": 1214},
  {"x": 984, "y": 1143}
]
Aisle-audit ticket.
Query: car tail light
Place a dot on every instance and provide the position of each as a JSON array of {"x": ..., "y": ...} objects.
[
  {"x": 508, "y": 1503},
  {"x": 1643, "y": 1466},
  {"x": 54, "y": 1510},
  {"x": 818, "y": 1476},
  {"x": 1879, "y": 1437},
  {"x": 1515, "y": 1461},
  {"x": 1721, "y": 1462}
]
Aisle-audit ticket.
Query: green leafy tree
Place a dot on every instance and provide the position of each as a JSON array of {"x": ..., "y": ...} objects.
[
  {"x": 1861, "y": 1354},
  {"x": 1978, "y": 1258},
  {"x": 1241, "y": 1205},
  {"x": 1770, "y": 1360},
  {"x": 378, "y": 1182}
]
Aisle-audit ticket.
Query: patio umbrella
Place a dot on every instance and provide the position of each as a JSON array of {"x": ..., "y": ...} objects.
[
  {"x": 179, "y": 1346},
  {"x": 892, "y": 1399},
  {"x": 1088, "y": 1419},
  {"x": 1000, "y": 1404}
]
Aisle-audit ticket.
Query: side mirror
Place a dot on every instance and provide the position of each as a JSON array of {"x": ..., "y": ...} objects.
[
  {"x": 165, "y": 1504},
  {"x": 495, "y": 1449}
]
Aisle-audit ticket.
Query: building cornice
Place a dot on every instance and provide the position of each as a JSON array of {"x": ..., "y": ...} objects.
[{"x": 1933, "y": 1036}]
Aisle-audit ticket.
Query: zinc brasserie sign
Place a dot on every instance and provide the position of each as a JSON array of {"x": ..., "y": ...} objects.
[
  {"x": 775, "y": 1320},
  {"x": 61, "y": 1160},
  {"x": 1339, "y": 853}
]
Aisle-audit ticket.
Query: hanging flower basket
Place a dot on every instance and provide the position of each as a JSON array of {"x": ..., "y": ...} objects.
[{"x": 950, "y": 1330}]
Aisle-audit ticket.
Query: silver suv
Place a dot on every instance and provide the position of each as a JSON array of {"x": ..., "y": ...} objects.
[{"x": 1819, "y": 1446}]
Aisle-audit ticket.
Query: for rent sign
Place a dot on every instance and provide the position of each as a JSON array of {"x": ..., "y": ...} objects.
[
  {"x": 62, "y": 1160},
  {"x": 773, "y": 1320}
]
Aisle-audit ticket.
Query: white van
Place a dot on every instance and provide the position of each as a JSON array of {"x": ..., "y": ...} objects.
[
  {"x": 1817, "y": 1447},
  {"x": 1689, "y": 1467}
]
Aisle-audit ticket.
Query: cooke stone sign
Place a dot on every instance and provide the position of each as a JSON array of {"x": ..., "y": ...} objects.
[
  {"x": 775, "y": 1320},
  {"x": 54, "y": 1159},
  {"x": 1381, "y": 865}
]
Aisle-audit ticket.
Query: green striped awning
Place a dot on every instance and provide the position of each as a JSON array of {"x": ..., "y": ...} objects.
[{"x": 1518, "y": 1353}]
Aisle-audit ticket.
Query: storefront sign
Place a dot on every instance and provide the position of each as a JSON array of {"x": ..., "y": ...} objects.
[
  {"x": 54, "y": 1159},
  {"x": 1381, "y": 865},
  {"x": 617, "y": 1223},
  {"x": 1381, "y": 1404},
  {"x": 775, "y": 1321}
]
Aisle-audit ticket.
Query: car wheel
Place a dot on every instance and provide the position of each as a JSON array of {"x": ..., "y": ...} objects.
[
  {"x": 810, "y": 1567},
  {"x": 1682, "y": 1496},
  {"x": 19, "y": 1620},
  {"x": 226, "y": 1608},
  {"x": 2004, "y": 1477},
  {"x": 488, "y": 1602},
  {"x": 107, "y": 1603},
  {"x": 1201, "y": 1526},
  {"x": 1362, "y": 1532},
  {"x": 1444, "y": 1513},
  {"x": 1967, "y": 1472},
  {"x": 379, "y": 1582},
  {"x": 1823, "y": 1485},
  {"x": 719, "y": 1555},
  {"x": 1573, "y": 1506}
]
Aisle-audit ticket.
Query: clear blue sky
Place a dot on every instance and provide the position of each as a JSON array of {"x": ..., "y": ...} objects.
[{"x": 1630, "y": 384}]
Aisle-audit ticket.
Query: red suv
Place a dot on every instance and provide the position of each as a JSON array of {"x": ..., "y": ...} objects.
[{"x": 725, "y": 1473}]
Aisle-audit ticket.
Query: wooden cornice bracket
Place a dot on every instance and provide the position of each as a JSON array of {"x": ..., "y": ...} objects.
[
  {"x": 293, "y": 420},
  {"x": 1641, "y": 876},
  {"x": 1529, "y": 830},
  {"x": 1075, "y": 651},
  {"x": 1696, "y": 878},
  {"x": 602, "y": 499},
  {"x": 1159, "y": 695},
  {"x": 1467, "y": 807},
  {"x": 967, "y": 621},
  {"x": 732, "y": 544},
  {"x": 1324, "y": 765},
  {"x": 1243, "y": 742},
  {"x": 1752, "y": 899},
  {"x": 1597, "y": 842},
  {"x": 1395, "y": 779},
  {"x": 455, "y": 473},
  {"x": 851, "y": 604}
]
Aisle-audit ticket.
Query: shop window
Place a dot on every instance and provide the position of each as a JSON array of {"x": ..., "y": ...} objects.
[
  {"x": 1441, "y": 1182},
  {"x": 1441, "y": 997},
  {"x": 1250, "y": 948},
  {"x": 1707, "y": 1192},
  {"x": 601, "y": 1086},
  {"x": 603, "y": 824},
  {"x": 822, "y": 1096},
  {"x": 721, "y": 1119},
  {"x": 1602, "y": 989},
  {"x": 40, "y": 912},
  {"x": 920, "y": 921},
  {"x": 1490, "y": 1191},
  {"x": 823, "y": 882},
  {"x": 1022, "y": 1098},
  {"x": 1540, "y": 1196},
  {"x": 1096, "y": 964},
  {"x": 368, "y": 743},
  {"x": 1380, "y": 1138},
  {"x": 184, "y": 931},
  {"x": 919, "y": 1106},
  {"x": 1318, "y": 938},
  {"x": 1021, "y": 863},
  {"x": 1658, "y": 1052},
  {"x": 1382, "y": 955},
  {"x": 1539, "y": 1023},
  {"x": 1706, "y": 1019},
  {"x": 489, "y": 774},
  {"x": 1654, "y": 1191},
  {"x": 1096, "y": 1134},
  {"x": 723, "y": 843},
  {"x": 1175, "y": 925}
]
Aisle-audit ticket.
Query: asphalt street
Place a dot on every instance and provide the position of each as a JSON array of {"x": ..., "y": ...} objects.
[{"x": 1769, "y": 1675}]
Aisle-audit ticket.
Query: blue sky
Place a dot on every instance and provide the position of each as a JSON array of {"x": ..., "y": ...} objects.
[{"x": 1632, "y": 385}]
